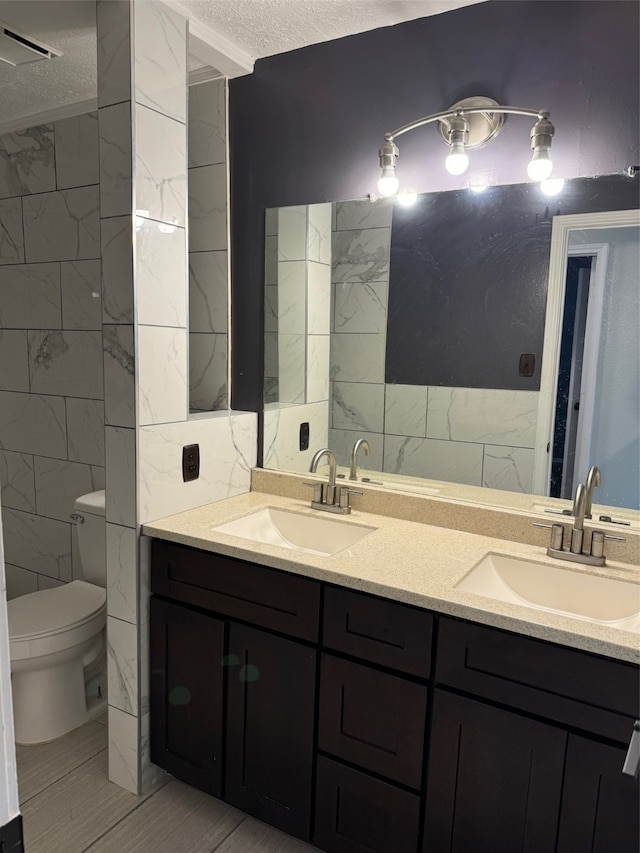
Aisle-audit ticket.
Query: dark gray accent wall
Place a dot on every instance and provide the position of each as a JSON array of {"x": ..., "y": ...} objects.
[
  {"x": 306, "y": 125},
  {"x": 468, "y": 280}
]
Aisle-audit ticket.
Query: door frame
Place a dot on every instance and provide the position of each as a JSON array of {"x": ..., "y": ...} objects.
[{"x": 560, "y": 230}]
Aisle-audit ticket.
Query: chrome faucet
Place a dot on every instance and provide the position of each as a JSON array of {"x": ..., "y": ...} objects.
[
  {"x": 576, "y": 552},
  {"x": 353, "y": 468},
  {"x": 327, "y": 496},
  {"x": 593, "y": 480}
]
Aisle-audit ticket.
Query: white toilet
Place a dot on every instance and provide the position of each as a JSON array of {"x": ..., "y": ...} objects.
[{"x": 57, "y": 641}]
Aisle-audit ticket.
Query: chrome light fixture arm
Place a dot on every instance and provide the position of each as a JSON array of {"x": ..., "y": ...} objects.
[{"x": 468, "y": 124}]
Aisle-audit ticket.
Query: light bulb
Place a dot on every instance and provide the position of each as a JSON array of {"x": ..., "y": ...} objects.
[
  {"x": 552, "y": 186},
  {"x": 388, "y": 183},
  {"x": 540, "y": 165},
  {"x": 457, "y": 161}
]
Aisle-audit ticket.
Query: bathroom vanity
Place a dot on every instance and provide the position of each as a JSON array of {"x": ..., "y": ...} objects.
[{"x": 359, "y": 715}]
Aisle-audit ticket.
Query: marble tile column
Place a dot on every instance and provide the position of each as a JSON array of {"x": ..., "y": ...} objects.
[{"x": 142, "y": 101}]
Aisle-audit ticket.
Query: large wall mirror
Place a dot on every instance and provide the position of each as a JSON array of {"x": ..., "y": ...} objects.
[{"x": 485, "y": 345}]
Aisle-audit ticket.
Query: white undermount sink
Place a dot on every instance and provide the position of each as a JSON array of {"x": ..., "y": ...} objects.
[
  {"x": 593, "y": 598},
  {"x": 311, "y": 534}
]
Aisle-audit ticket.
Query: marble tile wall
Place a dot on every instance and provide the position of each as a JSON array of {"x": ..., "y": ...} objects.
[
  {"x": 51, "y": 373},
  {"x": 297, "y": 332},
  {"x": 208, "y": 249},
  {"x": 463, "y": 435}
]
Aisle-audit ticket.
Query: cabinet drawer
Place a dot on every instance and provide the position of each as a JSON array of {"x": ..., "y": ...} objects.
[
  {"x": 372, "y": 719},
  {"x": 378, "y": 630},
  {"x": 571, "y": 687},
  {"x": 265, "y": 597},
  {"x": 358, "y": 814}
]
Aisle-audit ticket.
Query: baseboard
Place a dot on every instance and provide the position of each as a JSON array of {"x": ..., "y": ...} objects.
[{"x": 11, "y": 836}]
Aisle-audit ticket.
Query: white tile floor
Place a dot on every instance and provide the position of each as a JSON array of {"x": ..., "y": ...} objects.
[{"x": 69, "y": 806}]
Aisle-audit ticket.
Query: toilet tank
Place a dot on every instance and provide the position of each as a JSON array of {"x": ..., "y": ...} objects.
[{"x": 92, "y": 537}]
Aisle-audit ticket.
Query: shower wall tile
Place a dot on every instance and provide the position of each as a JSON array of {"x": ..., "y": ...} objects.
[
  {"x": 341, "y": 441},
  {"x": 48, "y": 583},
  {"x": 32, "y": 423},
  {"x": 59, "y": 483},
  {"x": 292, "y": 297},
  {"x": 360, "y": 307},
  {"x": 271, "y": 309},
  {"x": 282, "y": 435},
  {"x": 120, "y": 457},
  {"x": 122, "y": 665},
  {"x": 361, "y": 214},
  {"x": 77, "y": 159},
  {"x": 357, "y": 358},
  {"x": 406, "y": 410},
  {"x": 114, "y": 51},
  {"x": 271, "y": 260},
  {"x": 14, "y": 360},
  {"x": 453, "y": 461},
  {"x": 161, "y": 185},
  {"x": 317, "y": 368},
  {"x": 17, "y": 481},
  {"x": 27, "y": 162},
  {"x": 483, "y": 415},
  {"x": 207, "y": 124},
  {"x": 85, "y": 430},
  {"x": 62, "y": 226},
  {"x": 116, "y": 195},
  {"x": 292, "y": 368},
  {"x": 358, "y": 406},
  {"x": 162, "y": 375},
  {"x": 508, "y": 468},
  {"x": 117, "y": 268},
  {"x": 67, "y": 363},
  {"x": 208, "y": 372},
  {"x": 271, "y": 215},
  {"x": 162, "y": 86},
  {"x": 361, "y": 255},
  {"x": 30, "y": 297},
  {"x": 39, "y": 544},
  {"x": 318, "y": 298},
  {"x": 119, "y": 376},
  {"x": 122, "y": 586},
  {"x": 292, "y": 233},
  {"x": 20, "y": 581},
  {"x": 208, "y": 208},
  {"x": 319, "y": 233},
  {"x": 160, "y": 266},
  {"x": 11, "y": 231},
  {"x": 228, "y": 448},
  {"x": 123, "y": 728},
  {"x": 81, "y": 295},
  {"x": 208, "y": 292}
]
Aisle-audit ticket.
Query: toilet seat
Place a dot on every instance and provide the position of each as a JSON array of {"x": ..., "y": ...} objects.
[{"x": 50, "y": 620}]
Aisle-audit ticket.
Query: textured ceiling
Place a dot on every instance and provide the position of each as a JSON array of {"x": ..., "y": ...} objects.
[{"x": 258, "y": 27}]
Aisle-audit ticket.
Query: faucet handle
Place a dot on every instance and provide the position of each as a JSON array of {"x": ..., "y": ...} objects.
[{"x": 343, "y": 495}]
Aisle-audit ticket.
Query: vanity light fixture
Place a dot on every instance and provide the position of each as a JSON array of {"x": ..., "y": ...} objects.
[{"x": 468, "y": 124}]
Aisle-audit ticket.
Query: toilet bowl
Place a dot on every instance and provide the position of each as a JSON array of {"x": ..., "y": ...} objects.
[{"x": 57, "y": 641}]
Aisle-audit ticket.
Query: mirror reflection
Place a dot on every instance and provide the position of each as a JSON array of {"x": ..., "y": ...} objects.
[{"x": 422, "y": 330}]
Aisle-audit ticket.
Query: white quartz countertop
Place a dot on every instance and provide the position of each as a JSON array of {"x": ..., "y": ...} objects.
[{"x": 418, "y": 564}]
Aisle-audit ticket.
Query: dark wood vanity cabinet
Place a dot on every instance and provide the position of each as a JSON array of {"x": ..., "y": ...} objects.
[
  {"x": 369, "y": 726},
  {"x": 233, "y": 704}
]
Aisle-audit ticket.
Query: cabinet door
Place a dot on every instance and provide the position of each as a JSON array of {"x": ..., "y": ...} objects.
[
  {"x": 599, "y": 804},
  {"x": 186, "y": 698},
  {"x": 270, "y": 723},
  {"x": 494, "y": 780}
]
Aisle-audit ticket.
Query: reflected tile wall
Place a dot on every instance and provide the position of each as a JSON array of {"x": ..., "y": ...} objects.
[
  {"x": 341, "y": 441},
  {"x": 358, "y": 406},
  {"x": 508, "y": 468},
  {"x": 281, "y": 439},
  {"x": 453, "y": 461}
]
